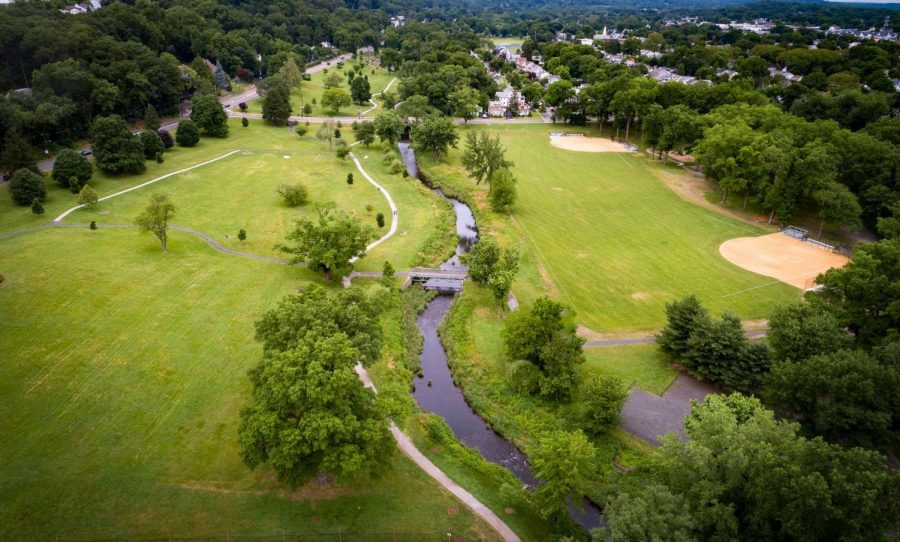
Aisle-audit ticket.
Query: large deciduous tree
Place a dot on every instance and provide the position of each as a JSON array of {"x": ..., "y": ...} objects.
[
  {"x": 483, "y": 156},
  {"x": 116, "y": 149},
  {"x": 798, "y": 331},
  {"x": 328, "y": 241},
  {"x": 27, "y": 186},
  {"x": 311, "y": 414},
  {"x": 360, "y": 90},
  {"x": 333, "y": 99},
  {"x": 70, "y": 165},
  {"x": 389, "y": 127},
  {"x": 155, "y": 218},
  {"x": 207, "y": 112},
  {"x": 564, "y": 462},
  {"x": 845, "y": 396},
  {"x": 436, "y": 134}
]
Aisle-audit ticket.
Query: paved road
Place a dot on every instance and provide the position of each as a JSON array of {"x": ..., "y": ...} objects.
[
  {"x": 227, "y": 100},
  {"x": 649, "y": 416}
]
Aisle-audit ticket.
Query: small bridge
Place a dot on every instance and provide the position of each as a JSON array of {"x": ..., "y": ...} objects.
[{"x": 441, "y": 279}]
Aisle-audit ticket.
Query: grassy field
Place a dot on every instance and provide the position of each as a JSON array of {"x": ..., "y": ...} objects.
[
  {"x": 239, "y": 192},
  {"x": 315, "y": 87},
  {"x": 605, "y": 235},
  {"x": 123, "y": 373}
]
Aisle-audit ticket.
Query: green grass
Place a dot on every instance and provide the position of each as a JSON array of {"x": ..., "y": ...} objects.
[
  {"x": 642, "y": 365},
  {"x": 315, "y": 87},
  {"x": 239, "y": 192},
  {"x": 605, "y": 235},
  {"x": 123, "y": 373}
]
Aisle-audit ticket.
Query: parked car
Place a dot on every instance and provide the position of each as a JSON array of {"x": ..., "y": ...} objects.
[{"x": 87, "y": 152}]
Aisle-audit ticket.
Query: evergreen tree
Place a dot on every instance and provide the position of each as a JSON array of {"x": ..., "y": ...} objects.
[
  {"x": 36, "y": 207},
  {"x": 682, "y": 317},
  {"x": 151, "y": 118}
]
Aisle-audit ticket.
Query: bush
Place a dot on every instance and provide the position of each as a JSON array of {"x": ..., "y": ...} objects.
[
  {"x": 397, "y": 166},
  {"x": 245, "y": 122},
  {"x": 36, "y": 207},
  {"x": 523, "y": 377},
  {"x": 187, "y": 134},
  {"x": 349, "y": 178},
  {"x": 342, "y": 150},
  {"x": 242, "y": 234},
  {"x": 379, "y": 219},
  {"x": 153, "y": 145},
  {"x": 307, "y": 109},
  {"x": 166, "y": 138},
  {"x": 26, "y": 186},
  {"x": 93, "y": 225},
  {"x": 301, "y": 130},
  {"x": 87, "y": 197},
  {"x": 293, "y": 194}
]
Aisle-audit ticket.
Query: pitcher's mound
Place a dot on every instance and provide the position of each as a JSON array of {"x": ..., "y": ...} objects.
[
  {"x": 586, "y": 144},
  {"x": 779, "y": 256}
]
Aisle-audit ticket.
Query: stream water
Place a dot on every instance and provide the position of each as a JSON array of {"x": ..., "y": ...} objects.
[{"x": 442, "y": 396}]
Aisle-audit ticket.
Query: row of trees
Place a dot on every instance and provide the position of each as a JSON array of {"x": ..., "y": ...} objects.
[
  {"x": 742, "y": 474},
  {"x": 831, "y": 362}
]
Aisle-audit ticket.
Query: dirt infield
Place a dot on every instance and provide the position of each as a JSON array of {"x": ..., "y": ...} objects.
[
  {"x": 779, "y": 256},
  {"x": 586, "y": 144}
]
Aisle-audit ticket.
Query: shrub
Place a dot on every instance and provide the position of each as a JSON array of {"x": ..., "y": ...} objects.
[
  {"x": 301, "y": 130},
  {"x": 293, "y": 194},
  {"x": 307, "y": 109},
  {"x": 187, "y": 134},
  {"x": 523, "y": 377},
  {"x": 87, "y": 196},
  {"x": 245, "y": 122},
  {"x": 379, "y": 219},
  {"x": 166, "y": 138},
  {"x": 152, "y": 144},
  {"x": 25, "y": 186},
  {"x": 36, "y": 207},
  {"x": 93, "y": 225},
  {"x": 349, "y": 178},
  {"x": 397, "y": 166},
  {"x": 242, "y": 234},
  {"x": 342, "y": 150}
]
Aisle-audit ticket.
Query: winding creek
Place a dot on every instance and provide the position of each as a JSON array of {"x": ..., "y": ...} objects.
[{"x": 442, "y": 396}]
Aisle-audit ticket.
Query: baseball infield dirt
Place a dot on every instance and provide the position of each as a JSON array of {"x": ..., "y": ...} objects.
[
  {"x": 586, "y": 144},
  {"x": 781, "y": 257}
]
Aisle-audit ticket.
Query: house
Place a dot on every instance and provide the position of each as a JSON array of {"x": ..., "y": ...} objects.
[
  {"x": 499, "y": 106},
  {"x": 78, "y": 9},
  {"x": 398, "y": 21},
  {"x": 785, "y": 75}
]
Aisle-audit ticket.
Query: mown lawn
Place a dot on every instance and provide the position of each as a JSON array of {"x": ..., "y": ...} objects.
[
  {"x": 641, "y": 365},
  {"x": 315, "y": 87},
  {"x": 240, "y": 192},
  {"x": 603, "y": 233},
  {"x": 122, "y": 375}
]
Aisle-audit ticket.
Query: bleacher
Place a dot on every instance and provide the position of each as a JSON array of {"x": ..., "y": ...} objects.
[{"x": 796, "y": 233}]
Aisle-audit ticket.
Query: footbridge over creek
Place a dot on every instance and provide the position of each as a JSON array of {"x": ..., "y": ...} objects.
[{"x": 437, "y": 279}]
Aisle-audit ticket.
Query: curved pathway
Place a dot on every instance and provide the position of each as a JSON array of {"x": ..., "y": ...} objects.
[
  {"x": 372, "y": 99},
  {"x": 405, "y": 443}
]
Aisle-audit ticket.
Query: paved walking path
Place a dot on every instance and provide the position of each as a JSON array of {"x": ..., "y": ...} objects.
[
  {"x": 405, "y": 443},
  {"x": 372, "y": 99}
]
